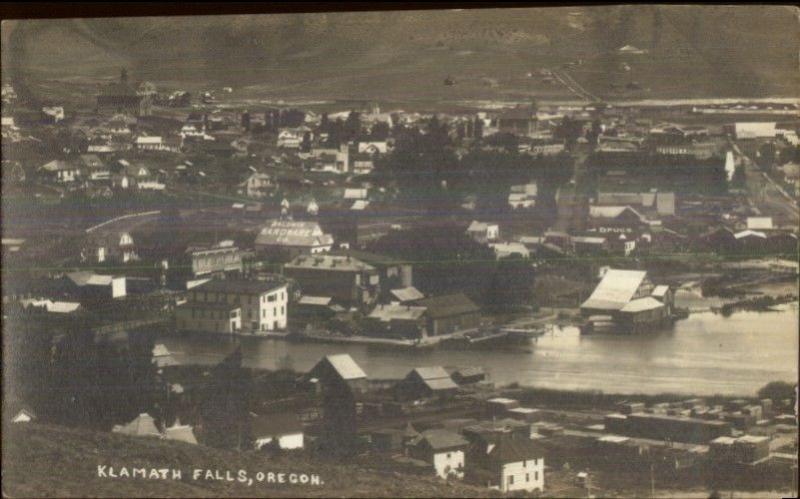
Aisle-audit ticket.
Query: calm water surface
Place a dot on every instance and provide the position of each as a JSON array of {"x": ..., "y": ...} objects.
[{"x": 705, "y": 354}]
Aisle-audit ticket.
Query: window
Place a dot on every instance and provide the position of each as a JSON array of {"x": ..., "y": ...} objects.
[
  {"x": 448, "y": 455},
  {"x": 527, "y": 477},
  {"x": 511, "y": 479},
  {"x": 283, "y": 309},
  {"x": 524, "y": 464},
  {"x": 275, "y": 311},
  {"x": 536, "y": 475},
  {"x": 272, "y": 297}
]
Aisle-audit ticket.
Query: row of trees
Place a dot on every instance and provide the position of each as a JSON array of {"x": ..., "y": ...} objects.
[{"x": 446, "y": 260}]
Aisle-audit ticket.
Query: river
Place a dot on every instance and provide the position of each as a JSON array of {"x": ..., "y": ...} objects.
[{"x": 704, "y": 354}]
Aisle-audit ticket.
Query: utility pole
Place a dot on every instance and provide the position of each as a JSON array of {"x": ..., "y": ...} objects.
[{"x": 652, "y": 481}]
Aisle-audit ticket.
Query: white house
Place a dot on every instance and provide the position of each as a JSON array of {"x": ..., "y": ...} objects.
[
  {"x": 257, "y": 185},
  {"x": 283, "y": 430},
  {"x": 759, "y": 223},
  {"x": 23, "y": 416},
  {"x": 507, "y": 463},
  {"x": 483, "y": 232},
  {"x": 443, "y": 449},
  {"x": 230, "y": 305},
  {"x": 153, "y": 143},
  {"x": 63, "y": 171},
  {"x": 523, "y": 196},
  {"x": 755, "y": 130}
]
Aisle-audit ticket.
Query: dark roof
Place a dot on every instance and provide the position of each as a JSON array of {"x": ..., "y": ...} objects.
[
  {"x": 448, "y": 305},
  {"x": 118, "y": 89},
  {"x": 439, "y": 439},
  {"x": 518, "y": 113},
  {"x": 238, "y": 286},
  {"x": 375, "y": 259},
  {"x": 510, "y": 449},
  {"x": 275, "y": 424}
]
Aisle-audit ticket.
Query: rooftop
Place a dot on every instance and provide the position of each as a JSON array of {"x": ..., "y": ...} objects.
[
  {"x": 386, "y": 313},
  {"x": 239, "y": 286},
  {"x": 329, "y": 262},
  {"x": 615, "y": 290},
  {"x": 448, "y": 305}
]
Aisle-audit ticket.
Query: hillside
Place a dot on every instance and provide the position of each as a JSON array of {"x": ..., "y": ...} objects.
[
  {"x": 693, "y": 51},
  {"x": 49, "y": 461}
]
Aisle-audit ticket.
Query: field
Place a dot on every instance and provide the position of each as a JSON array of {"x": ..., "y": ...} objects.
[
  {"x": 44, "y": 464},
  {"x": 493, "y": 54}
]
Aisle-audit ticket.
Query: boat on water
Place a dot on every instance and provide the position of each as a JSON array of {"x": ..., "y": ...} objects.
[{"x": 493, "y": 337}]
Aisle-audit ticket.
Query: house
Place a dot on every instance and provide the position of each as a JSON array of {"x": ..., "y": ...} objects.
[
  {"x": 397, "y": 321},
  {"x": 483, "y": 232},
  {"x": 755, "y": 130},
  {"x": 450, "y": 313},
  {"x": 759, "y": 223},
  {"x": 162, "y": 357},
  {"x": 505, "y": 250},
  {"x": 294, "y": 237},
  {"x": 153, "y": 143},
  {"x": 469, "y": 375},
  {"x": 24, "y": 415},
  {"x": 230, "y": 305},
  {"x": 662, "y": 203},
  {"x": 123, "y": 97},
  {"x": 523, "y": 196},
  {"x": 331, "y": 160},
  {"x": 110, "y": 247},
  {"x": 443, "y": 449},
  {"x": 290, "y": 138},
  {"x": 180, "y": 433},
  {"x": 362, "y": 163},
  {"x": 94, "y": 167},
  {"x": 282, "y": 430},
  {"x": 356, "y": 193},
  {"x": 506, "y": 463},
  {"x": 142, "y": 426},
  {"x": 62, "y": 171},
  {"x": 520, "y": 120},
  {"x": 257, "y": 185},
  {"x": 341, "y": 381},
  {"x": 349, "y": 281},
  {"x": 216, "y": 260},
  {"x": 393, "y": 273},
  {"x": 53, "y": 114},
  {"x": 622, "y": 225},
  {"x": 426, "y": 382}
]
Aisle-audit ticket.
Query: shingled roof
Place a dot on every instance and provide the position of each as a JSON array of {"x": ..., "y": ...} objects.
[{"x": 448, "y": 305}]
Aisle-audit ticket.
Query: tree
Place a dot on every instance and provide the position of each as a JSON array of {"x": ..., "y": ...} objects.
[
  {"x": 512, "y": 283},
  {"x": 777, "y": 390},
  {"x": 226, "y": 405}
]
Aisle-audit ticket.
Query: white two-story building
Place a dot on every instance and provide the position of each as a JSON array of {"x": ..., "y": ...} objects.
[{"x": 228, "y": 306}]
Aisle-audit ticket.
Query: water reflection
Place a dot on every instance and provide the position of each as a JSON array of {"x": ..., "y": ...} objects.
[{"x": 703, "y": 354}]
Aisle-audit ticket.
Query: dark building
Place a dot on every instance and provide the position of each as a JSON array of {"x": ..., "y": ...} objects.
[
  {"x": 122, "y": 97},
  {"x": 518, "y": 121},
  {"x": 340, "y": 381},
  {"x": 450, "y": 313},
  {"x": 427, "y": 382}
]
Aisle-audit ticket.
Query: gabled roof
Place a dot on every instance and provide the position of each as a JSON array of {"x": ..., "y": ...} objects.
[
  {"x": 448, "y": 305},
  {"x": 89, "y": 278},
  {"x": 439, "y": 439},
  {"x": 344, "y": 366},
  {"x": 407, "y": 294},
  {"x": 750, "y": 233},
  {"x": 434, "y": 377},
  {"x": 142, "y": 426},
  {"x": 615, "y": 290},
  {"x": 613, "y": 212},
  {"x": 182, "y": 433},
  {"x": 322, "y": 301},
  {"x": 511, "y": 449},
  {"x": 391, "y": 312}
]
